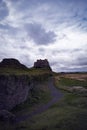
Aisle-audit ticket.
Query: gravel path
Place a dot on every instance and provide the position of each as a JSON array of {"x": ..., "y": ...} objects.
[{"x": 56, "y": 95}]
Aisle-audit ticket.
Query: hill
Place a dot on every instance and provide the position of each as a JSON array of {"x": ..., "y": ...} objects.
[{"x": 16, "y": 82}]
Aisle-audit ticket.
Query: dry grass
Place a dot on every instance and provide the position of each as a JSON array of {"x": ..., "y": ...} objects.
[{"x": 81, "y": 77}]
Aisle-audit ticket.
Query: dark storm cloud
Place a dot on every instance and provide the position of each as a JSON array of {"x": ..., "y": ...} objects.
[{"x": 39, "y": 35}]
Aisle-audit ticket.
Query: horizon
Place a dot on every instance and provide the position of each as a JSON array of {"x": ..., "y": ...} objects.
[
  {"x": 64, "y": 72},
  {"x": 45, "y": 29}
]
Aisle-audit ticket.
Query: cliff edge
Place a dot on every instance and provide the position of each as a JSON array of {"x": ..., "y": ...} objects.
[{"x": 16, "y": 81}]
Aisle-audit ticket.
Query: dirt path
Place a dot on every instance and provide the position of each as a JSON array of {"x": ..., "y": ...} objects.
[{"x": 56, "y": 95}]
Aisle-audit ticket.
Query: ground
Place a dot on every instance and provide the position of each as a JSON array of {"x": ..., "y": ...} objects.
[{"x": 68, "y": 112}]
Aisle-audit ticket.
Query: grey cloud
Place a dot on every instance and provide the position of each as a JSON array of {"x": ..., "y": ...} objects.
[
  {"x": 67, "y": 12},
  {"x": 3, "y": 10},
  {"x": 59, "y": 15},
  {"x": 26, "y": 59},
  {"x": 77, "y": 62},
  {"x": 81, "y": 60},
  {"x": 74, "y": 69},
  {"x": 39, "y": 35},
  {"x": 9, "y": 30},
  {"x": 67, "y": 67}
]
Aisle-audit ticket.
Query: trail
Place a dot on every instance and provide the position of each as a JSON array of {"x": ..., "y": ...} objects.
[{"x": 56, "y": 96}]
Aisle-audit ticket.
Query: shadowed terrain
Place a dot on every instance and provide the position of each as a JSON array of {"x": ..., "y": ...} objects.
[
  {"x": 53, "y": 101},
  {"x": 55, "y": 95}
]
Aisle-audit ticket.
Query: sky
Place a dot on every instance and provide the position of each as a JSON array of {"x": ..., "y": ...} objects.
[{"x": 45, "y": 29}]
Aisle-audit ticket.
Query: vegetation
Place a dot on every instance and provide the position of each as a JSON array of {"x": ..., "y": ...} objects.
[
  {"x": 68, "y": 81},
  {"x": 71, "y": 82},
  {"x": 70, "y": 113},
  {"x": 30, "y": 72},
  {"x": 39, "y": 94}
]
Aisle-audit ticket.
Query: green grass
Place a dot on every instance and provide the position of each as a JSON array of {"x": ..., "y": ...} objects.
[
  {"x": 67, "y": 114},
  {"x": 40, "y": 94},
  {"x": 70, "y": 113},
  {"x": 66, "y": 84},
  {"x": 31, "y": 71},
  {"x": 71, "y": 82}
]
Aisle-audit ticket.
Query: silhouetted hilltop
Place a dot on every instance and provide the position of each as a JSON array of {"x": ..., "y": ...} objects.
[
  {"x": 42, "y": 64},
  {"x": 12, "y": 63}
]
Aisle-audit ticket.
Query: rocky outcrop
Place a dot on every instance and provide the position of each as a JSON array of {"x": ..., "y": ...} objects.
[
  {"x": 13, "y": 90},
  {"x": 12, "y": 63},
  {"x": 15, "y": 87},
  {"x": 42, "y": 64}
]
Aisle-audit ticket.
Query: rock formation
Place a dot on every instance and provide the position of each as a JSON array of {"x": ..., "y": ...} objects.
[
  {"x": 12, "y": 63},
  {"x": 42, "y": 64},
  {"x": 13, "y": 90}
]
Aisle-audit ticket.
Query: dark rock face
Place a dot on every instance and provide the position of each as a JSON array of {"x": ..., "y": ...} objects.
[
  {"x": 12, "y": 63},
  {"x": 13, "y": 90},
  {"x": 42, "y": 64},
  {"x": 7, "y": 116}
]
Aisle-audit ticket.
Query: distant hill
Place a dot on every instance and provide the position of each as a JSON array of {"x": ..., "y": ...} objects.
[{"x": 12, "y": 63}]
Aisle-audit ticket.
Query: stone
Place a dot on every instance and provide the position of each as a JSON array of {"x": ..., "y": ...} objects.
[
  {"x": 42, "y": 64},
  {"x": 14, "y": 90}
]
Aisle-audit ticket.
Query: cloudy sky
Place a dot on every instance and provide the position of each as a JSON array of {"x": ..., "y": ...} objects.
[{"x": 45, "y": 29}]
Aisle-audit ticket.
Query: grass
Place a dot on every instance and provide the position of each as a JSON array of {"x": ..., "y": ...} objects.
[
  {"x": 67, "y": 114},
  {"x": 39, "y": 94},
  {"x": 71, "y": 82},
  {"x": 30, "y": 71},
  {"x": 70, "y": 113},
  {"x": 65, "y": 82}
]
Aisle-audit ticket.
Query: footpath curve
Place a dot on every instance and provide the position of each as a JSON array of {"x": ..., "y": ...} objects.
[{"x": 56, "y": 96}]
